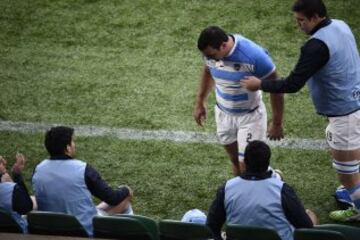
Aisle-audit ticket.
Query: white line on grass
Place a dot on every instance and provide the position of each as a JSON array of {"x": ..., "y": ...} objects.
[{"x": 138, "y": 134}]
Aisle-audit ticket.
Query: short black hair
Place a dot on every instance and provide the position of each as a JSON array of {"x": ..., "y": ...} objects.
[
  {"x": 57, "y": 138},
  {"x": 212, "y": 36},
  {"x": 310, "y": 8},
  {"x": 257, "y": 157}
]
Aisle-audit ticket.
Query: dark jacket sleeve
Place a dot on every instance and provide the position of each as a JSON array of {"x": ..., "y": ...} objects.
[
  {"x": 100, "y": 189},
  {"x": 314, "y": 55},
  {"x": 21, "y": 200},
  {"x": 294, "y": 209},
  {"x": 217, "y": 215}
]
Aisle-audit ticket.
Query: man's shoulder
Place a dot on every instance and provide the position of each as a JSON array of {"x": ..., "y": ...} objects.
[
  {"x": 42, "y": 163},
  {"x": 46, "y": 162},
  {"x": 232, "y": 181},
  {"x": 244, "y": 43},
  {"x": 250, "y": 51},
  {"x": 78, "y": 160},
  {"x": 338, "y": 21},
  {"x": 7, "y": 184}
]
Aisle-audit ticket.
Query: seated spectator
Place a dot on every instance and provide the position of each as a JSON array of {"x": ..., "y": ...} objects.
[
  {"x": 65, "y": 184},
  {"x": 14, "y": 196},
  {"x": 256, "y": 198}
]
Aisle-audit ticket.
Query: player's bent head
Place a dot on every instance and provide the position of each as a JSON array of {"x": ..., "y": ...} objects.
[
  {"x": 310, "y": 8},
  {"x": 257, "y": 157},
  {"x": 57, "y": 139},
  {"x": 212, "y": 36}
]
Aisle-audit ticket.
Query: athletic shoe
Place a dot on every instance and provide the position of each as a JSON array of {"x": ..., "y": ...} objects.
[
  {"x": 348, "y": 215},
  {"x": 342, "y": 196}
]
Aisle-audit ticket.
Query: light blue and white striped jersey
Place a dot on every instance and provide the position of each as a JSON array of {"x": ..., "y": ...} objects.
[{"x": 246, "y": 58}]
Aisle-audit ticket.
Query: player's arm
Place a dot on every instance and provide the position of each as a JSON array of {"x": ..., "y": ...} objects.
[
  {"x": 206, "y": 84},
  {"x": 217, "y": 214},
  {"x": 266, "y": 71},
  {"x": 276, "y": 131},
  {"x": 313, "y": 56},
  {"x": 21, "y": 199},
  {"x": 100, "y": 189},
  {"x": 294, "y": 210}
]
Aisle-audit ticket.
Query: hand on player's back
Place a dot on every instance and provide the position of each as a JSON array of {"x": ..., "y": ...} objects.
[
  {"x": 19, "y": 163},
  {"x": 251, "y": 83}
]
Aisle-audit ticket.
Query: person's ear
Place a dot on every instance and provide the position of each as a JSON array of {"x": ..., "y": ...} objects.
[
  {"x": 314, "y": 18},
  {"x": 68, "y": 148}
]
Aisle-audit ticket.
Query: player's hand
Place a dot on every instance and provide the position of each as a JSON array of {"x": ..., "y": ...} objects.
[
  {"x": 251, "y": 83},
  {"x": 199, "y": 114},
  {"x": 131, "y": 192},
  {"x": 2, "y": 165},
  {"x": 6, "y": 178},
  {"x": 19, "y": 163},
  {"x": 275, "y": 132}
]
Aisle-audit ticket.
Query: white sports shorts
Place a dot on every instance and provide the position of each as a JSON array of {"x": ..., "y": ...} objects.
[
  {"x": 343, "y": 133},
  {"x": 241, "y": 128}
]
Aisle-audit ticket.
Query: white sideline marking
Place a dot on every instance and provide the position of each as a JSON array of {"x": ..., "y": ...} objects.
[{"x": 138, "y": 134}]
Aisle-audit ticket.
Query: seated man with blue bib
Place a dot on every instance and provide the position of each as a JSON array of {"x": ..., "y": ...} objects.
[
  {"x": 255, "y": 198},
  {"x": 66, "y": 185},
  {"x": 14, "y": 196}
]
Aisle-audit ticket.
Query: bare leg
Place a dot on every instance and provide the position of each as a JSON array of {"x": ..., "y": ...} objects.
[{"x": 233, "y": 152}]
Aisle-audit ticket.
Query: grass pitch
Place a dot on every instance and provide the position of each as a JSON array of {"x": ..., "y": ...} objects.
[
  {"x": 135, "y": 64},
  {"x": 170, "y": 178}
]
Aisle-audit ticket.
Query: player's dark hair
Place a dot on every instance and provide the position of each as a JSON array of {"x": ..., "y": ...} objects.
[
  {"x": 257, "y": 157},
  {"x": 310, "y": 8},
  {"x": 57, "y": 138},
  {"x": 212, "y": 36}
]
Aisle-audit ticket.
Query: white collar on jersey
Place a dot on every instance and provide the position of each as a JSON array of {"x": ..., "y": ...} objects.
[{"x": 234, "y": 46}]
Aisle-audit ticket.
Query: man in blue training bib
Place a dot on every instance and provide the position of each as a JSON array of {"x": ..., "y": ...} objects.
[
  {"x": 240, "y": 114},
  {"x": 14, "y": 195},
  {"x": 256, "y": 198},
  {"x": 330, "y": 64},
  {"x": 65, "y": 184}
]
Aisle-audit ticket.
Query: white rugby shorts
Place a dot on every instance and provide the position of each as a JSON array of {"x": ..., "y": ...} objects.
[
  {"x": 241, "y": 128},
  {"x": 343, "y": 133}
]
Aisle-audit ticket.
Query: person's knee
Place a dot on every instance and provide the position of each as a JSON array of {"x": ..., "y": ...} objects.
[
  {"x": 345, "y": 155},
  {"x": 122, "y": 206}
]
